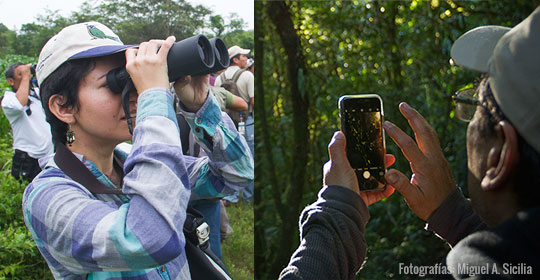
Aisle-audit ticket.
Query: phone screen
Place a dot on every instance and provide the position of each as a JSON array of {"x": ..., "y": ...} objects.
[{"x": 361, "y": 121}]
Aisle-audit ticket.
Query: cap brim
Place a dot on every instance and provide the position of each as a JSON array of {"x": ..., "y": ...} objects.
[
  {"x": 473, "y": 49},
  {"x": 101, "y": 51}
]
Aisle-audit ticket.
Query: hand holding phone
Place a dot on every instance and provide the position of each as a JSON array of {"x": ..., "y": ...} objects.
[
  {"x": 361, "y": 122},
  {"x": 338, "y": 172}
]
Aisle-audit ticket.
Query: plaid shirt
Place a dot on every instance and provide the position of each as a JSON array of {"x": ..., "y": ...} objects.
[{"x": 137, "y": 235}]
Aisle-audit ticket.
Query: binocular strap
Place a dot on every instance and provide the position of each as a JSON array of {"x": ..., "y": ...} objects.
[{"x": 125, "y": 105}]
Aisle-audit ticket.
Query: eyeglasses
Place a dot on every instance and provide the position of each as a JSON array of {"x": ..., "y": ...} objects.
[{"x": 466, "y": 103}]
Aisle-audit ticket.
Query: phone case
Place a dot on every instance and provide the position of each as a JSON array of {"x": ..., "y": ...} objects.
[{"x": 370, "y": 176}]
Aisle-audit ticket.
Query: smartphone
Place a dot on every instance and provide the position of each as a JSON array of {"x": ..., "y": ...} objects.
[{"x": 361, "y": 121}]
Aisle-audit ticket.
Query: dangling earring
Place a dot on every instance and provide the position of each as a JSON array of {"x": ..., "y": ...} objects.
[{"x": 70, "y": 137}]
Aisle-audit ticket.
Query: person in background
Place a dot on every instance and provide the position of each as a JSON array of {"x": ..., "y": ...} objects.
[
  {"x": 31, "y": 133},
  {"x": 245, "y": 83},
  {"x": 229, "y": 101}
]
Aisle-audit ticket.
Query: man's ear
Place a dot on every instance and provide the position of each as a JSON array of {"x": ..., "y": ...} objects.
[
  {"x": 502, "y": 159},
  {"x": 63, "y": 113},
  {"x": 11, "y": 81}
]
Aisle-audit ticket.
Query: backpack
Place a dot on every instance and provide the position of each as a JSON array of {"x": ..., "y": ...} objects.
[
  {"x": 230, "y": 85},
  {"x": 203, "y": 264}
]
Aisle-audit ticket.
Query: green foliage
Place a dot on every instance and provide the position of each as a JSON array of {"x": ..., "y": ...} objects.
[
  {"x": 398, "y": 49},
  {"x": 7, "y": 38},
  {"x": 33, "y": 36},
  {"x": 142, "y": 20},
  {"x": 134, "y": 21},
  {"x": 19, "y": 256},
  {"x": 218, "y": 26},
  {"x": 241, "y": 38},
  {"x": 238, "y": 248}
]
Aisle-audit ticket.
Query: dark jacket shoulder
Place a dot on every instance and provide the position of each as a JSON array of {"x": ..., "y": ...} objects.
[{"x": 508, "y": 251}]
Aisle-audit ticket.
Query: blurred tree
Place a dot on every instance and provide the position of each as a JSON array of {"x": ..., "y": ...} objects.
[
  {"x": 240, "y": 38},
  {"x": 233, "y": 32},
  {"x": 217, "y": 25},
  {"x": 133, "y": 20},
  {"x": 139, "y": 20},
  {"x": 398, "y": 49},
  {"x": 33, "y": 36},
  {"x": 6, "y": 40}
]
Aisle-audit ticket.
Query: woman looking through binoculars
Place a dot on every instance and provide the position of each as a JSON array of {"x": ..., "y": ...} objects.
[{"x": 138, "y": 233}]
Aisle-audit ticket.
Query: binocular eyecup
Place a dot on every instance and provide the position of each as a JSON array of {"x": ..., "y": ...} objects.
[{"x": 195, "y": 56}]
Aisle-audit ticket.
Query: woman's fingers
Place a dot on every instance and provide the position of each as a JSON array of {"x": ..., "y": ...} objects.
[{"x": 166, "y": 46}]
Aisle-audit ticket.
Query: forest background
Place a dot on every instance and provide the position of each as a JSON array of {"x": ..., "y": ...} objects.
[
  {"x": 311, "y": 52},
  {"x": 134, "y": 21}
]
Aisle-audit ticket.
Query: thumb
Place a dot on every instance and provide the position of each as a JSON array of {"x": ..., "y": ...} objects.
[
  {"x": 336, "y": 148},
  {"x": 401, "y": 183}
]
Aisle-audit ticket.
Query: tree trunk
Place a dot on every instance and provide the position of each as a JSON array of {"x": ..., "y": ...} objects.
[
  {"x": 280, "y": 16},
  {"x": 265, "y": 169}
]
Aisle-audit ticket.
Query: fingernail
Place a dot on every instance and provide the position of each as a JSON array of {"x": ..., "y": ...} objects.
[
  {"x": 405, "y": 106},
  {"x": 391, "y": 177},
  {"x": 387, "y": 125}
]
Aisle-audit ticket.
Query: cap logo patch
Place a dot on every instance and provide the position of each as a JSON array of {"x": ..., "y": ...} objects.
[{"x": 98, "y": 34}]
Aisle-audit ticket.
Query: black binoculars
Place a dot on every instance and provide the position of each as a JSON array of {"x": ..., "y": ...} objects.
[
  {"x": 33, "y": 69},
  {"x": 193, "y": 56}
]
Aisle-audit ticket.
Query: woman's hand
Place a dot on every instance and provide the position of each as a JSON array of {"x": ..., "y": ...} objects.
[
  {"x": 338, "y": 171},
  {"x": 147, "y": 65},
  {"x": 192, "y": 91},
  {"x": 432, "y": 180}
]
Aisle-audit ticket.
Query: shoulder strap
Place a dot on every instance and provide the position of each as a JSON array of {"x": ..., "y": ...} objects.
[
  {"x": 204, "y": 263},
  {"x": 77, "y": 171},
  {"x": 184, "y": 137},
  {"x": 223, "y": 77},
  {"x": 237, "y": 75}
]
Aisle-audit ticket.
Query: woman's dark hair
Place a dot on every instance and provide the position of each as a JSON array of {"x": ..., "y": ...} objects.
[
  {"x": 64, "y": 81},
  {"x": 527, "y": 185}
]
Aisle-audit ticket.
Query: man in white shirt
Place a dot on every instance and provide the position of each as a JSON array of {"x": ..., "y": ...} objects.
[
  {"x": 245, "y": 82},
  {"x": 32, "y": 138}
]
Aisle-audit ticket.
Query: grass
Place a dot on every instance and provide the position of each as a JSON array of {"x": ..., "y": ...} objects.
[{"x": 237, "y": 250}]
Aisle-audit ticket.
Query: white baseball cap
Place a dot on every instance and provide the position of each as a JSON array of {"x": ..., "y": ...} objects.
[
  {"x": 82, "y": 40},
  {"x": 511, "y": 57},
  {"x": 236, "y": 50}
]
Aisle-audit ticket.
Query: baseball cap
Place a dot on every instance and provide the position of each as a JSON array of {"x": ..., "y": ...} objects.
[
  {"x": 82, "y": 40},
  {"x": 511, "y": 57},
  {"x": 236, "y": 50}
]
